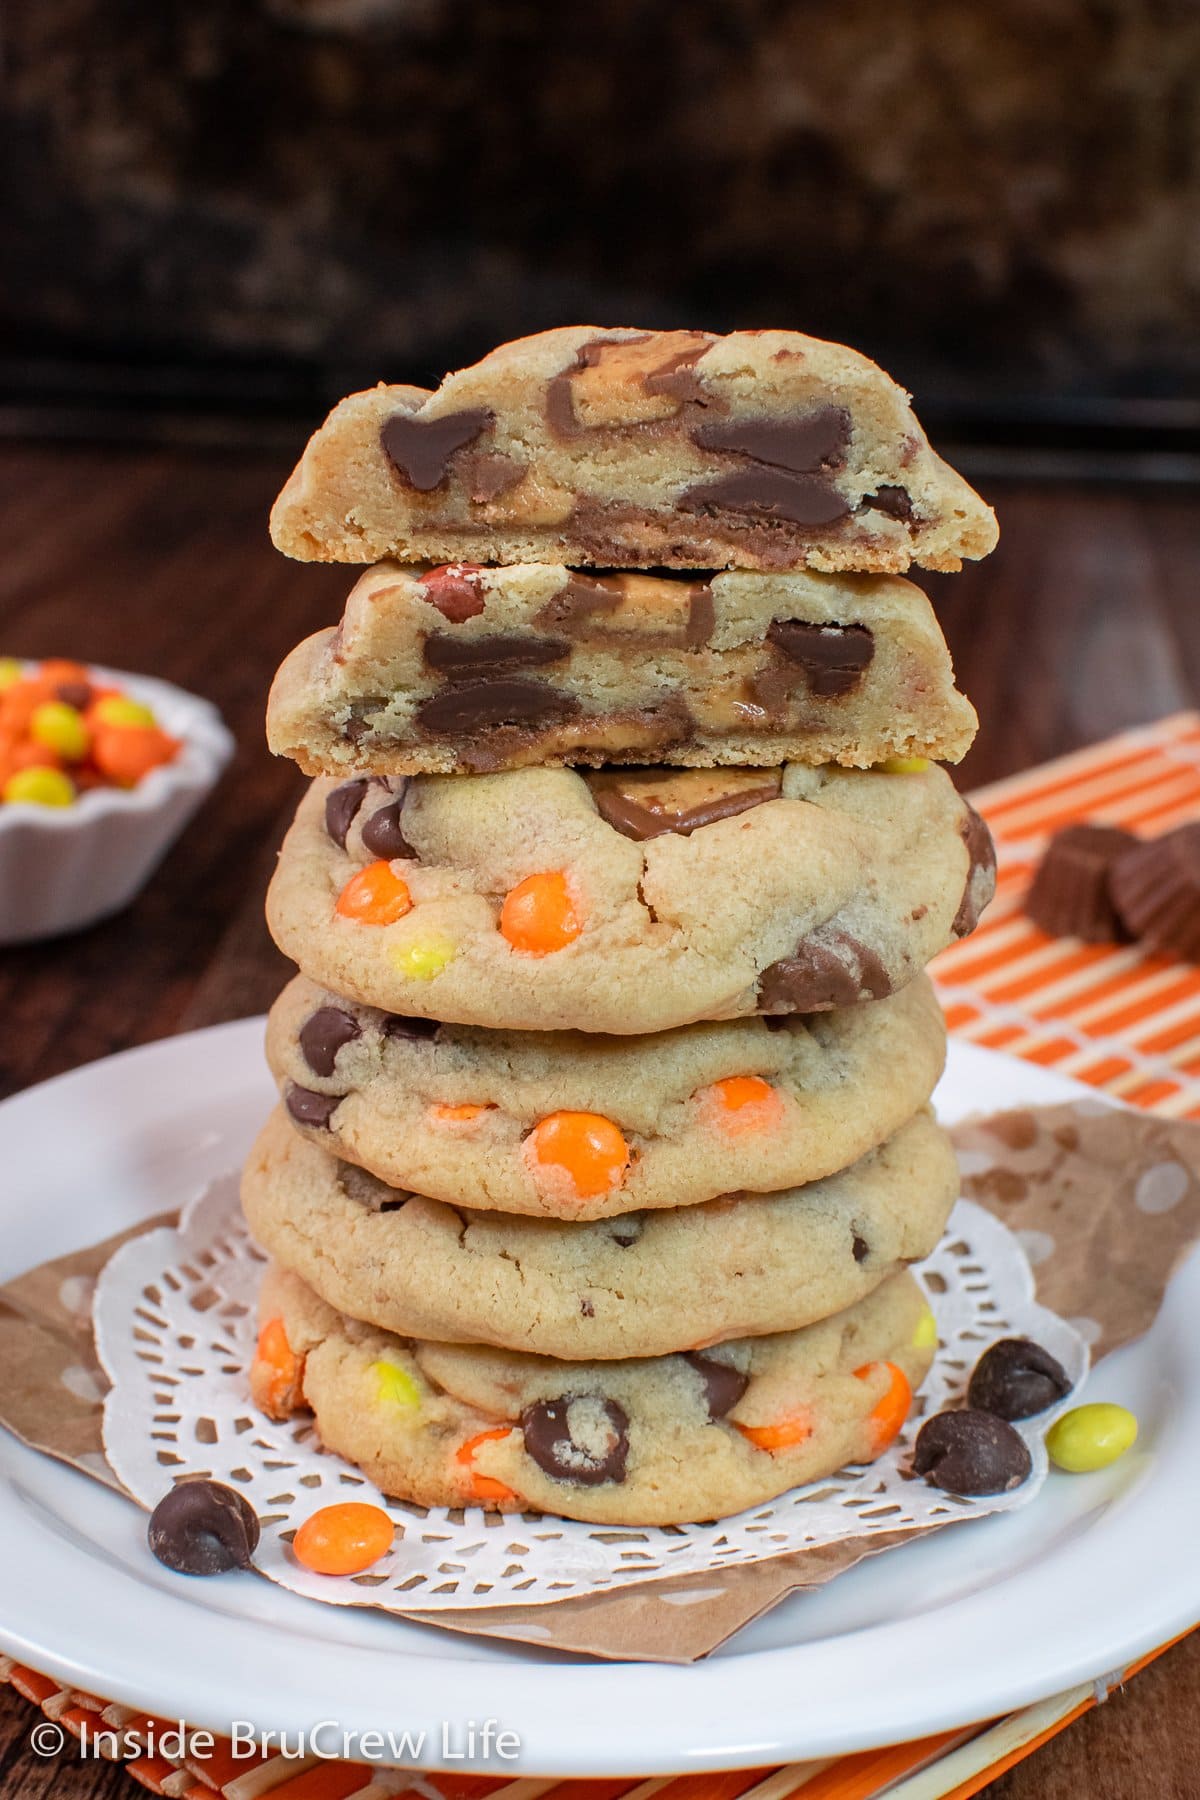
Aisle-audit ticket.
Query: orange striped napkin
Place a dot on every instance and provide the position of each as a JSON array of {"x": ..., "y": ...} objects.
[{"x": 1111, "y": 1015}]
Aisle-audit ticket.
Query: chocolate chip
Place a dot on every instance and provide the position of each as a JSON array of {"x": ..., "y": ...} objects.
[
  {"x": 1070, "y": 894},
  {"x": 971, "y": 1453},
  {"x": 581, "y": 1438},
  {"x": 833, "y": 657},
  {"x": 579, "y": 599},
  {"x": 420, "y": 449},
  {"x": 896, "y": 502},
  {"x": 859, "y": 1248},
  {"x": 981, "y": 872},
  {"x": 1016, "y": 1379},
  {"x": 74, "y": 693},
  {"x": 816, "y": 440},
  {"x": 647, "y": 803},
  {"x": 454, "y": 589},
  {"x": 341, "y": 809},
  {"x": 203, "y": 1528},
  {"x": 323, "y": 1034},
  {"x": 702, "y": 617},
  {"x": 381, "y": 833},
  {"x": 829, "y": 969},
  {"x": 465, "y": 658},
  {"x": 676, "y": 376},
  {"x": 395, "y": 1025},
  {"x": 479, "y": 704},
  {"x": 776, "y": 493},
  {"x": 310, "y": 1108},
  {"x": 723, "y": 1384},
  {"x": 626, "y": 1230}
]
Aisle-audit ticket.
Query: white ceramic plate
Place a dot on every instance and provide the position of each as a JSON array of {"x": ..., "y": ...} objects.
[{"x": 958, "y": 1628}]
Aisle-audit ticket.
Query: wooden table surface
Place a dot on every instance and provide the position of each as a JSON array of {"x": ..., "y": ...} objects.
[{"x": 1083, "y": 622}]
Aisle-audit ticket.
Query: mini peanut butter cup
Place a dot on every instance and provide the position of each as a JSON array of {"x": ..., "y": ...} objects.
[
  {"x": 1155, "y": 889},
  {"x": 1070, "y": 895}
]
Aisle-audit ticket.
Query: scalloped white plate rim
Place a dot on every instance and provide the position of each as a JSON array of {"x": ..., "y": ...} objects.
[{"x": 960, "y": 1627}]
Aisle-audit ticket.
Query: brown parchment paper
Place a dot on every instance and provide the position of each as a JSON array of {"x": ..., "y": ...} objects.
[{"x": 1106, "y": 1202}]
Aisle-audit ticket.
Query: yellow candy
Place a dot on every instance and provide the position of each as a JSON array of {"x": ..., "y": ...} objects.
[
  {"x": 423, "y": 958},
  {"x": 39, "y": 787},
  {"x": 10, "y": 671},
  {"x": 395, "y": 1386},
  {"x": 925, "y": 1337},
  {"x": 904, "y": 765},
  {"x": 1091, "y": 1437},
  {"x": 119, "y": 709},
  {"x": 60, "y": 727}
]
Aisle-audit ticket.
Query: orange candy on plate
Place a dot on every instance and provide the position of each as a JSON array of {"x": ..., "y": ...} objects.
[
  {"x": 589, "y": 1149},
  {"x": 482, "y": 1488},
  {"x": 889, "y": 1414},
  {"x": 539, "y": 916},
  {"x": 375, "y": 896},
  {"x": 344, "y": 1539},
  {"x": 127, "y": 752}
]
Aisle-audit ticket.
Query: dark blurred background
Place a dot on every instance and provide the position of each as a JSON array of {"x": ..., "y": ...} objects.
[{"x": 220, "y": 216}]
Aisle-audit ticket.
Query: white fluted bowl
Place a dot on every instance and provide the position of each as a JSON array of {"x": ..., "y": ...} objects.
[{"x": 64, "y": 867}]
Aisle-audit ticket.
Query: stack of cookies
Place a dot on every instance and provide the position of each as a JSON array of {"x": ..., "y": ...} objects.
[{"x": 604, "y": 1139}]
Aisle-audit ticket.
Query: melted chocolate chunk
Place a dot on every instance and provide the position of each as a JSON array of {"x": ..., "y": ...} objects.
[
  {"x": 677, "y": 376},
  {"x": 420, "y": 449},
  {"x": 971, "y": 1453},
  {"x": 560, "y": 406},
  {"x": 581, "y": 598},
  {"x": 896, "y": 502},
  {"x": 1070, "y": 894},
  {"x": 773, "y": 493},
  {"x": 341, "y": 809},
  {"x": 395, "y": 1025},
  {"x": 310, "y": 1108},
  {"x": 581, "y": 1438},
  {"x": 367, "y": 1190},
  {"x": 834, "y": 658},
  {"x": 981, "y": 872},
  {"x": 203, "y": 1528},
  {"x": 859, "y": 1248},
  {"x": 323, "y": 1034},
  {"x": 817, "y": 440},
  {"x": 1017, "y": 1379},
  {"x": 381, "y": 833},
  {"x": 454, "y": 589},
  {"x": 647, "y": 803},
  {"x": 723, "y": 1384},
  {"x": 486, "y": 474},
  {"x": 702, "y": 617},
  {"x": 829, "y": 969},
  {"x": 479, "y": 704},
  {"x": 626, "y": 1230},
  {"x": 464, "y": 659}
]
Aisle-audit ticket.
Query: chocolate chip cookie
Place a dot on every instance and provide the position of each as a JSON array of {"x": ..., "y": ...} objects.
[
  {"x": 468, "y": 1116},
  {"x": 631, "y": 449},
  {"x": 638, "y": 1285},
  {"x": 463, "y": 669},
  {"x": 627, "y": 901},
  {"x": 645, "y": 1441}
]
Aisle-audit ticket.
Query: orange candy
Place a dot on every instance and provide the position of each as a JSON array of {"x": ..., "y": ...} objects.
[
  {"x": 539, "y": 915},
  {"x": 743, "y": 1103},
  {"x": 484, "y": 1487},
  {"x": 375, "y": 896},
  {"x": 344, "y": 1539},
  {"x": 588, "y": 1148},
  {"x": 443, "y": 1114},
  {"x": 127, "y": 752},
  {"x": 889, "y": 1414},
  {"x": 784, "y": 1434},
  {"x": 276, "y": 1370}
]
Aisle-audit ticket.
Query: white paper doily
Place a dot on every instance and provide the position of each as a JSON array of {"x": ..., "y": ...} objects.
[{"x": 175, "y": 1326}]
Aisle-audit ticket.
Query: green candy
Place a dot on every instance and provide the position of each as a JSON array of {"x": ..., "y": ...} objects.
[{"x": 1091, "y": 1437}]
